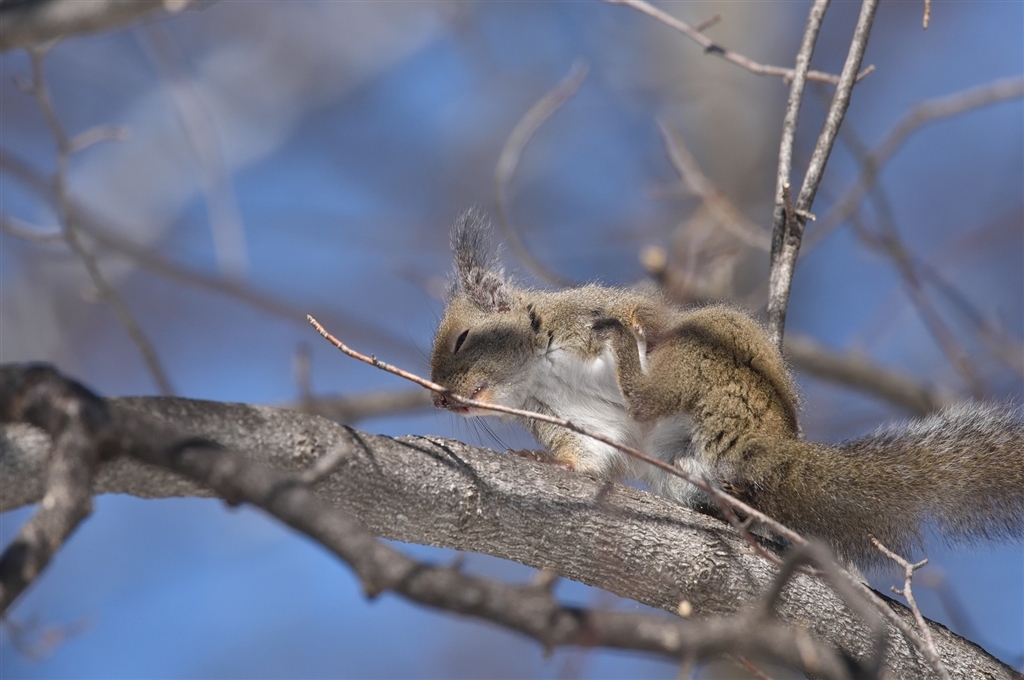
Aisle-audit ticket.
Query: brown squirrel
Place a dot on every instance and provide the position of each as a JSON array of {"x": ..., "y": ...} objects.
[{"x": 706, "y": 391}]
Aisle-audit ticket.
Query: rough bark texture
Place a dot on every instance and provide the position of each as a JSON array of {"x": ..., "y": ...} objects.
[{"x": 444, "y": 493}]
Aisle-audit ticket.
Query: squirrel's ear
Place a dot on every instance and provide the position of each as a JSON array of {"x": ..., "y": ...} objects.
[{"x": 479, "y": 277}]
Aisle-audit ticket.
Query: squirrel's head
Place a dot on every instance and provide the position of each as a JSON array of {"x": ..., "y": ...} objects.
[{"x": 485, "y": 342}]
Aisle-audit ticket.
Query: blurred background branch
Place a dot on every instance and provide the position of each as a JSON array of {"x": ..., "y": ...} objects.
[{"x": 24, "y": 23}]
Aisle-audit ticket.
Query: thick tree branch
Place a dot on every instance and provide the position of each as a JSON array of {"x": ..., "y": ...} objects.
[{"x": 447, "y": 494}]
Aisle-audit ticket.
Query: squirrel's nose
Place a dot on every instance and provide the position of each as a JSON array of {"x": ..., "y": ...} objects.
[{"x": 439, "y": 400}]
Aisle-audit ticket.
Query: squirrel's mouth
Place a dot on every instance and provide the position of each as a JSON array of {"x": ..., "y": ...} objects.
[{"x": 444, "y": 401}]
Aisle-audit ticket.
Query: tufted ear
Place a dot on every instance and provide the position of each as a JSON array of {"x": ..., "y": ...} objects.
[{"x": 478, "y": 275}]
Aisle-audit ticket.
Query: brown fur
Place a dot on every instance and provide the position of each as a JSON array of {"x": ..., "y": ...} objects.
[{"x": 715, "y": 370}]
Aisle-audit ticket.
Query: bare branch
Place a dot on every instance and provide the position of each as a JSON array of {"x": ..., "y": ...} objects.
[
  {"x": 890, "y": 243},
  {"x": 23, "y": 24},
  {"x": 197, "y": 126},
  {"x": 456, "y": 496},
  {"x": 18, "y": 229},
  {"x": 526, "y": 609},
  {"x": 58, "y": 182},
  {"x": 40, "y": 395},
  {"x": 857, "y": 371},
  {"x": 96, "y": 135},
  {"x": 925, "y": 112},
  {"x": 694, "y": 179},
  {"x": 907, "y": 592},
  {"x": 792, "y": 115},
  {"x": 73, "y": 421},
  {"x": 508, "y": 161},
  {"x": 711, "y": 47},
  {"x": 913, "y": 273},
  {"x": 37, "y": 642},
  {"x": 784, "y": 222},
  {"x": 837, "y": 110},
  {"x": 708, "y": 23},
  {"x": 787, "y": 232},
  {"x": 1005, "y": 347},
  {"x": 155, "y": 263}
]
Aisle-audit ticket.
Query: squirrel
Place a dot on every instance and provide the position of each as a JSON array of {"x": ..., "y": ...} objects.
[{"x": 705, "y": 390}]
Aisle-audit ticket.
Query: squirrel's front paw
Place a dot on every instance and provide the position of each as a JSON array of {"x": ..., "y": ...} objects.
[{"x": 541, "y": 456}]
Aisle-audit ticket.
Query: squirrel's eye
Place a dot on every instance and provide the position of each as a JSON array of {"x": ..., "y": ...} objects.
[{"x": 461, "y": 339}]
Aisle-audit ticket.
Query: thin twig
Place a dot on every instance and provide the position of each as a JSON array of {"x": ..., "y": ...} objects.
[
  {"x": 508, "y": 161},
  {"x": 908, "y": 593},
  {"x": 908, "y": 631},
  {"x": 927, "y": 17},
  {"x": 101, "y": 133},
  {"x": 36, "y": 642},
  {"x": 925, "y": 112},
  {"x": 709, "y": 489},
  {"x": 858, "y": 372},
  {"x": 750, "y": 668},
  {"x": 199, "y": 128},
  {"x": 15, "y": 227},
  {"x": 69, "y": 226},
  {"x": 708, "y": 23},
  {"x": 783, "y": 219},
  {"x": 787, "y": 233},
  {"x": 837, "y": 110},
  {"x": 1002, "y": 345},
  {"x": 157, "y": 264},
  {"x": 890, "y": 243},
  {"x": 725, "y": 213},
  {"x": 959, "y": 618},
  {"x": 711, "y": 47}
]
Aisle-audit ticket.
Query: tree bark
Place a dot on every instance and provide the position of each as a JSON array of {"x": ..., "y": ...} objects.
[{"x": 444, "y": 493}]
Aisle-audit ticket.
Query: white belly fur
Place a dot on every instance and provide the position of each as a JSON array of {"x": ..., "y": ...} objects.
[{"x": 586, "y": 392}]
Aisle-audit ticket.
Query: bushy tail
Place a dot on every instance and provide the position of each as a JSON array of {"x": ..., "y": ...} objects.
[
  {"x": 960, "y": 470},
  {"x": 969, "y": 463}
]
